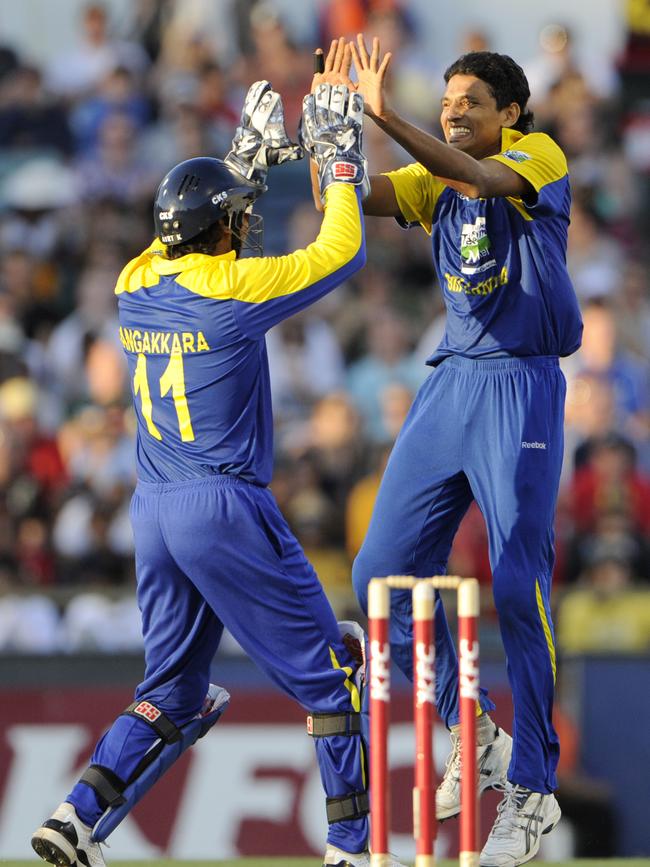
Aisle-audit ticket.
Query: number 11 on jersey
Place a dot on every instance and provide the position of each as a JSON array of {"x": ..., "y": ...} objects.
[{"x": 173, "y": 379}]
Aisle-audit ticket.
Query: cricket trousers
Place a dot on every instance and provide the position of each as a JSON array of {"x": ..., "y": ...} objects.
[
  {"x": 490, "y": 430},
  {"x": 214, "y": 552}
]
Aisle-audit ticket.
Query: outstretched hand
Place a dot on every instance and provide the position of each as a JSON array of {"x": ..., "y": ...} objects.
[
  {"x": 371, "y": 75},
  {"x": 337, "y": 66}
]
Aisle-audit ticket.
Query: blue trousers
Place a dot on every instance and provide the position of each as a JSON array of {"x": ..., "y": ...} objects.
[
  {"x": 216, "y": 552},
  {"x": 490, "y": 430}
]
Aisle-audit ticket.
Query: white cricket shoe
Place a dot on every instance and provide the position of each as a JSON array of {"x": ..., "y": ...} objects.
[
  {"x": 64, "y": 840},
  {"x": 338, "y": 858},
  {"x": 522, "y": 817},
  {"x": 492, "y": 761}
]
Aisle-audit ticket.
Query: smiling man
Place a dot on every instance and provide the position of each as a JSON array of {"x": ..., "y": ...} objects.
[{"x": 495, "y": 199}]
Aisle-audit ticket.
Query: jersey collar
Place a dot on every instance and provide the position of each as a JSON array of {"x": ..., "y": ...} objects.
[
  {"x": 161, "y": 265},
  {"x": 509, "y": 137}
]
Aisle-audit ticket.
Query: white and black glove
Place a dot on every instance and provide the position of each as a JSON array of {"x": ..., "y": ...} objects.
[
  {"x": 331, "y": 132},
  {"x": 261, "y": 139}
]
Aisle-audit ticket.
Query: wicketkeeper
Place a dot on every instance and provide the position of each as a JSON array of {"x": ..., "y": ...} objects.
[{"x": 212, "y": 549}]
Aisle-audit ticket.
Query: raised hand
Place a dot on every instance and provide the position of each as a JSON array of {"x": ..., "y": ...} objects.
[
  {"x": 371, "y": 74},
  {"x": 261, "y": 139},
  {"x": 331, "y": 133},
  {"x": 337, "y": 66}
]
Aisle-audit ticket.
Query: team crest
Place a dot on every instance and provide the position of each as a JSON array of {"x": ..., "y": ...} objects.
[
  {"x": 475, "y": 252},
  {"x": 516, "y": 156}
]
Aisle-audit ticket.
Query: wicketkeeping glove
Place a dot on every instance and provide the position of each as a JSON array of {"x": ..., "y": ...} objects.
[
  {"x": 261, "y": 139},
  {"x": 331, "y": 133}
]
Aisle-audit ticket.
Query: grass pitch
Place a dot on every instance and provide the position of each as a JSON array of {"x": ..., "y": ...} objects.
[{"x": 315, "y": 862}]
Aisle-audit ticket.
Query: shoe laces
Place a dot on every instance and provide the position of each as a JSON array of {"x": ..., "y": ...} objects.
[
  {"x": 509, "y": 811},
  {"x": 452, "y": 765}
]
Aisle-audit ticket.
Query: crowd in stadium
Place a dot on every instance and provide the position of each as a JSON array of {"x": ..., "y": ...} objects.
[{"x": 85, "y": 139}]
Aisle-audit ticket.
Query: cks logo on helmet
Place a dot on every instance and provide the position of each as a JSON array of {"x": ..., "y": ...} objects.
[
  {"x": 219, "y": 198},
  {"x": 345, "y": 171}
]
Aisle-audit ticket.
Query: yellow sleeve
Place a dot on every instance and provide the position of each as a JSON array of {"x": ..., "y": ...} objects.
[
  {"x": 417, "y": 192},
  {"x": 535, "y": 157},
  {"x": 340, "y": 239},
  {"x": 267, "y": 290}
]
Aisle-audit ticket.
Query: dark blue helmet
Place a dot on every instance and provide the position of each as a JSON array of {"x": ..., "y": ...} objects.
[{"x": 195, "y": 194}]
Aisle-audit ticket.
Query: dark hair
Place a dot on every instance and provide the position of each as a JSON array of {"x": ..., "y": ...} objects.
[
  {"x": 504, "y": 77},
  {"x": 205, "y": 242}
]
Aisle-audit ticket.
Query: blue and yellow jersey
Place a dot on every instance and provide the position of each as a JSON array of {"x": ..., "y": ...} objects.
[
  {"x": 193, "y": 330},
  {"x": 501, "y": 262}
]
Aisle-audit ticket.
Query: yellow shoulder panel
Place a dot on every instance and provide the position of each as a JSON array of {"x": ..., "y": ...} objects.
[
  {"x": 417, "y": 192},
  {"x": 536, "y": 157},
  {"x": 138, "y": 273}
]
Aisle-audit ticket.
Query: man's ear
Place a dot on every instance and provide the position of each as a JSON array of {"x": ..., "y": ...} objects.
[{"x": 511, "y": 114}]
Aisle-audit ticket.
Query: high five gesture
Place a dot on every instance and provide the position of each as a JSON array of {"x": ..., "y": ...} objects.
[{"x": 371, "y": 75}]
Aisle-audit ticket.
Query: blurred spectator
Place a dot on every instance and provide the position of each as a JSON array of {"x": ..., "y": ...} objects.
[
  {"x": 306, "y": 363},
  {"x": 78, "y": 71},
  {"x": 117, "y": 93},
  {"x": 114, "y": 169},
  {"x": 607, "y": 614},
  {"x": 360, "y": 502},
  {"x": 595, "y": 259},
  {"x": 286, "y": 65},
  {"x": 30, "y": 119},
  {"x": 633, "y": 310},
  {"x": 590, "y": 415},
  {"x": 388, "y": 361},
  {"x": 40, "y": 197},
  {"x": 82, "y": 146},
  {"x": 602, "y": 355},
  {"x": 560, "y": 73},
  {"x": 607, "y": 481},
  {"x": 614, "y": 531}
]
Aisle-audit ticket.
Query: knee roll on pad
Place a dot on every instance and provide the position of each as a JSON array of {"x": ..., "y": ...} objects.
[{"x": 121, "y": 796}]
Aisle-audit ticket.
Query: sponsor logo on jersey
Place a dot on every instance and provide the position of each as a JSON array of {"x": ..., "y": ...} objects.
[
  {"x": 458, "y": 284},
  {"x": 516, "y": 156},
  {"x": 475, "y": 252},
  {"x": 533, "y": 445}
]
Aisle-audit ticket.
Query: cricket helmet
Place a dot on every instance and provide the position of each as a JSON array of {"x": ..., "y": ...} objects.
[{"x": 198, "y": 192}]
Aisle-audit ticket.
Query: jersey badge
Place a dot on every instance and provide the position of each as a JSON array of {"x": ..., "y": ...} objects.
[
  {"x": 516, "y": 156},
  {"x": 475, "y": 252}
]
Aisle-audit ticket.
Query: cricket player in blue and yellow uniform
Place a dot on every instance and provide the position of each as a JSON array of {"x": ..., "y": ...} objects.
[
  {"x": 212, "y": 549},
  {"x": 488, "y": 422}
]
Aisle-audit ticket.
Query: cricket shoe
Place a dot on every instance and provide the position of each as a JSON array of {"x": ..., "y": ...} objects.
[
  {"x": 335, "y": 857},
  {"x": 522, "y": 817},
  {"x": 492, "y": 761},
  {"x": 64, "y": 840}
]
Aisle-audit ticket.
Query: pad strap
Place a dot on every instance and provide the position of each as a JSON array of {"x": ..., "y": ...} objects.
[
  {"x": 106, "y": 783},
  {"x": 354, "y": 806},
  {"x": 326, "y": 725},
  {"x": 161, "y": 724}
]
